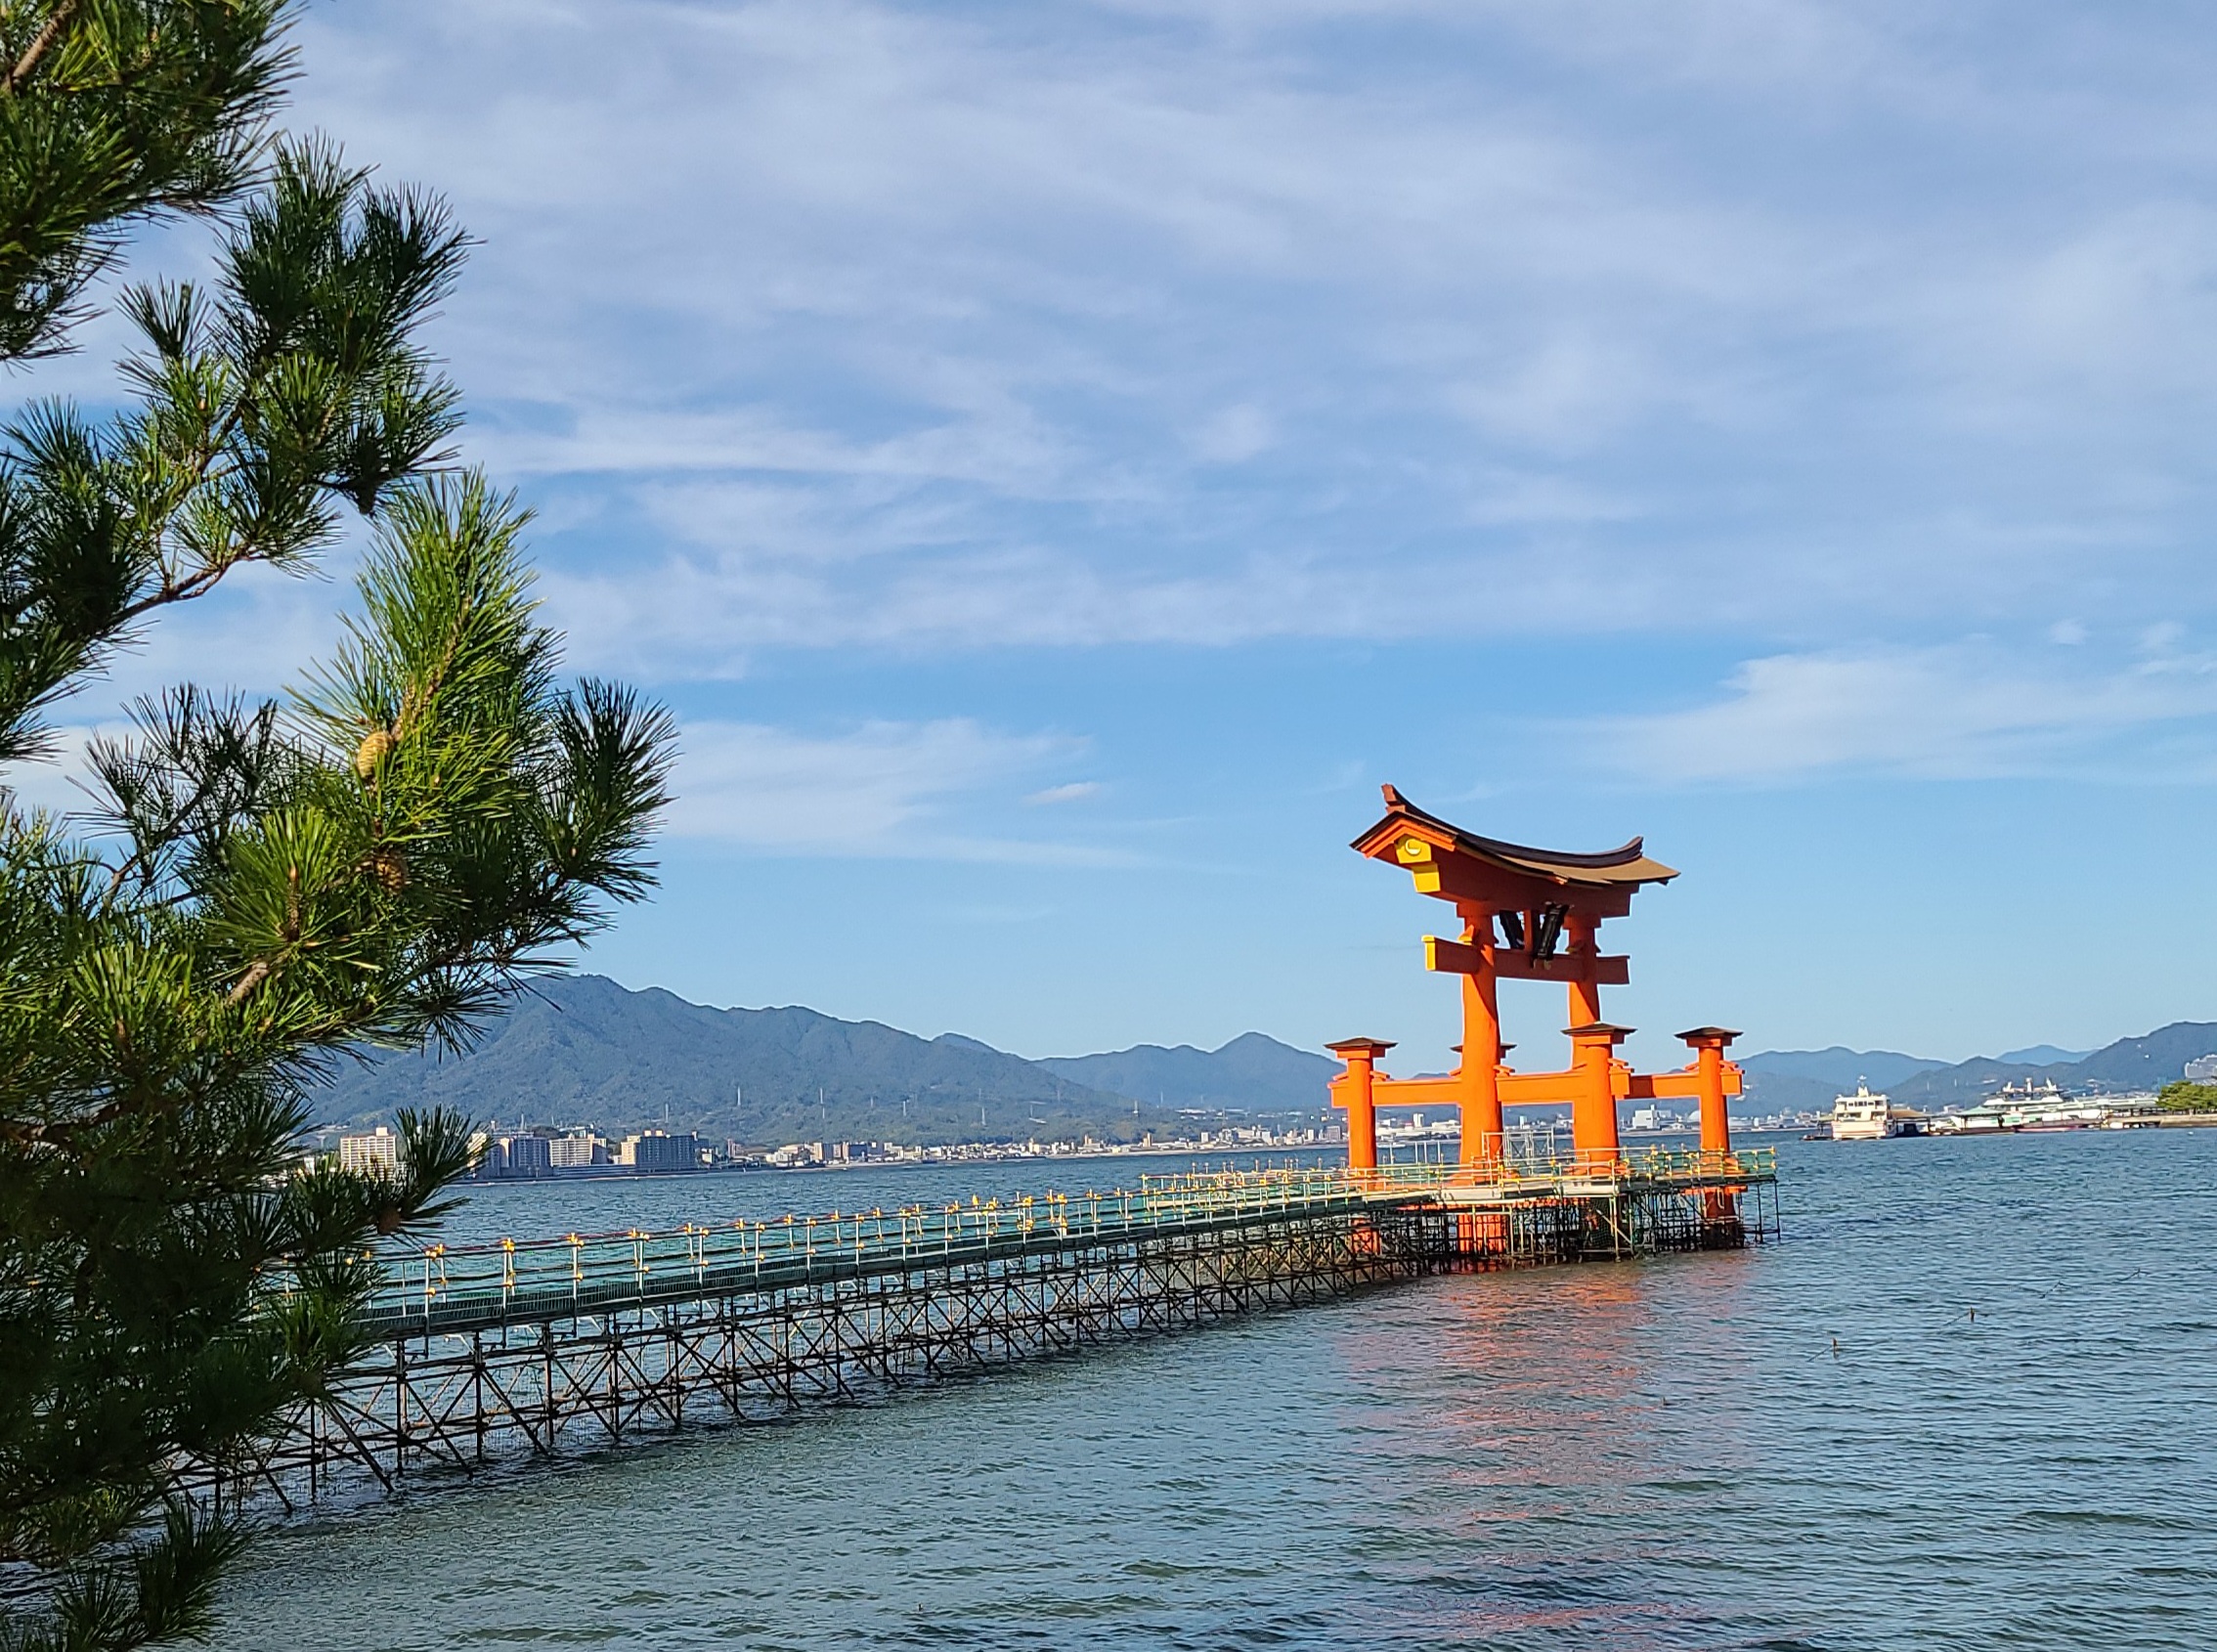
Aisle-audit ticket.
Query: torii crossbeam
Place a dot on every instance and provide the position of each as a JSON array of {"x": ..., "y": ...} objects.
[{"x": 1526, "y": 914}]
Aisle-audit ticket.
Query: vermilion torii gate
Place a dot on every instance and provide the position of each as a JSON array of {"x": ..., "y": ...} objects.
[{"x": 1527, "y": 915}]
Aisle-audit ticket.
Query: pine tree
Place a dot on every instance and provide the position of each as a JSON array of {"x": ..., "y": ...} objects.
[
  {"x": 254, "y": 889},
  {"x": 112, "y": 113}
]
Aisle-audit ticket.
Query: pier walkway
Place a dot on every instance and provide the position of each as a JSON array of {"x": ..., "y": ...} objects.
[{"x": 484, "y": 1351}]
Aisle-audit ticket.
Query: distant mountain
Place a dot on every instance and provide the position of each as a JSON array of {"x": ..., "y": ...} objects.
[
  {"x": 1794, "y": 1079},
  {"x": 1969, "y": 1081},
  {"x": 585, "y": 1049},
  {"x": 1251, "y": 1073},
  {"x": 2042, "y": 1054},
  {"x": 1797, "y": 1080},
  {"x": 1840, "y": 1065},
  {"x": 2155, "y": 1059},
  {"x": 2146, "y": 1063}
]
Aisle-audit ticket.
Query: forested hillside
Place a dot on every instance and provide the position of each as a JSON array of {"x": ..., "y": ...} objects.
[{"x": 585, "y": 1049}]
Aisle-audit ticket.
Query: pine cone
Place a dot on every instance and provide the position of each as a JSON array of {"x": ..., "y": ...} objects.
[{"x": 372, "y": 752}]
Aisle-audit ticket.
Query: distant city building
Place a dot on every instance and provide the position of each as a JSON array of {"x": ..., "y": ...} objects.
[
  {"x": 2202, "y": 1069},
  {"x": 574, "y": 1151},
  {"x": 372, "y": 1151},
  {"x": 653, "y": 1151},
  {"x": 519, "y": 1156}
]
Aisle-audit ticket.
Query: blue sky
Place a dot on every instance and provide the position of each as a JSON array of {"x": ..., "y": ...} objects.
[{"x": 1060, "y": 459}]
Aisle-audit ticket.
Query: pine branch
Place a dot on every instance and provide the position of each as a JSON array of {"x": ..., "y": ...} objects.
[
  {"x": 258, "y": 972},
  {"x": 282, "y": 899},
  {"x": 42, "y": 43},
  {"x": 171, "y": 591}
]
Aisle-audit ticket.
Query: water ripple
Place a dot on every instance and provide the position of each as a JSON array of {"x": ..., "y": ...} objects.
[{"x": 1963, "y": 1406}]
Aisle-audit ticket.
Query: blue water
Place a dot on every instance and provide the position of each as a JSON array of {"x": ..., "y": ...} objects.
[{"x": 1965, "y": 1404}]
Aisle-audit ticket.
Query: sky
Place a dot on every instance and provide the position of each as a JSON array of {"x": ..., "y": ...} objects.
[{"x": 1059, "y": 459}]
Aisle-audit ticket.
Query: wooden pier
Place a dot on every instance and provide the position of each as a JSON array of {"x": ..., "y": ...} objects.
[{"x": 522, "y": 1349}]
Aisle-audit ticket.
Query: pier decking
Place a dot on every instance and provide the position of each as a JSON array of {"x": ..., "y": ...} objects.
[{"x": 518, "y": 1346}]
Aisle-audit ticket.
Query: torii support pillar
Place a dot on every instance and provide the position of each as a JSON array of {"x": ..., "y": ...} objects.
[
  {"x": 1352, "y": 1090},
  {"x": 1593, "y": 1097},
  {"x": 1707, "y": 1044}
]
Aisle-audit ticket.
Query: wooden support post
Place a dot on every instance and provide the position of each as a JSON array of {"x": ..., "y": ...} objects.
[
  {"x": 1481, "y": 1069},
  {"x": 1707, "y": 1044},
  {"x": 1593, "y": 1099},
  {"x": 1585, "y": 986},
  {"x": 1352, "y": 1090}
]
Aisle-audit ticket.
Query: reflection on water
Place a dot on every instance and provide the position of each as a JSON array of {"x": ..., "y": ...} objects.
[{"x": 1814, "y": 1446}]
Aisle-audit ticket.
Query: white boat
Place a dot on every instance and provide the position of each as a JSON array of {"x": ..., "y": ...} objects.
[
  {"x": 1865, "y": 1117},
  {"x": 2044, "y": 1106}
]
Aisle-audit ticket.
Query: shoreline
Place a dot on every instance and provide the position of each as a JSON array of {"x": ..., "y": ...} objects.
[{"x": 615, "y": 1173}]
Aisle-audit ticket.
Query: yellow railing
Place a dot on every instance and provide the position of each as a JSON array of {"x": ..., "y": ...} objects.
[
  {"x": 1657, "y": 1164},
  {"x": 583, "y": 1265},
  {"x": 638, "y": 1262}
]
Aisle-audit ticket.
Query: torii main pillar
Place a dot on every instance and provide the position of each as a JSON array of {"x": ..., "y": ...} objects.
[
  {"x": 1480, "y": 1068},
  {"x": 1525, "y": 914}
]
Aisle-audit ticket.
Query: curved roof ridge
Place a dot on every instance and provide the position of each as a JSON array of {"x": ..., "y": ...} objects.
[
  {"x": 1632, "y": 849},
  {"x": 1627, "y": 864}
]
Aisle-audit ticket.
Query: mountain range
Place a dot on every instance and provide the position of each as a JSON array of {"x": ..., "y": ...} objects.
[
  {"x": 585, "y": 1049},
  {"x": 1252, "y": 1073},
  {"x": 1794, "y": 1079}
]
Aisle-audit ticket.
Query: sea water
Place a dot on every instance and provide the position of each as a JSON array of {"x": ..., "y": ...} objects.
[{"x": 1968, "y": 1401}]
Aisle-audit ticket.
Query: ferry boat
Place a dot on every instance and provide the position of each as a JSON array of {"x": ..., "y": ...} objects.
[
  {"x": 1865, "y": 1117},
  {"x": 2016, "y": 1107}
]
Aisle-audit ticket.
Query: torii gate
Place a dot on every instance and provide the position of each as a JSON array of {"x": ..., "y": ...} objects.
[{"x": 1548, "y": 907}]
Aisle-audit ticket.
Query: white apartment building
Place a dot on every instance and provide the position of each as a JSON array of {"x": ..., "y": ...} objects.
[
  {"x": 570, "y": 1153},
  {"x": 371, "y": 1150}
]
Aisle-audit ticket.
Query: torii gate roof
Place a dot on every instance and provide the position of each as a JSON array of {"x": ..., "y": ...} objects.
[{"x": 1627, "y": 867}]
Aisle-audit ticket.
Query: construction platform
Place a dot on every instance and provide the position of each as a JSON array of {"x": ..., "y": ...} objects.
[{"x": 521, "y": 1347}]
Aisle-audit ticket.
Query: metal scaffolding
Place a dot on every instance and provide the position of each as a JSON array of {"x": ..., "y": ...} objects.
[{"x": 517, "y": 1350}]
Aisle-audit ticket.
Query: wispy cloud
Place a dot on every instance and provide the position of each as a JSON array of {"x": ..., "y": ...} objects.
[
  {"x": 945, "y": 328},
  {"x": 910, "y": 790},
  {"x": 1070, "y": 792},
  {"x": 1966, "y": 711},
  {"x": 57, "y": 784}
]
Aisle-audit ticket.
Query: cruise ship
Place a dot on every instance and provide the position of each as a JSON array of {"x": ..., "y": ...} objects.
[
  {"x": 2048, "y": 1107},
  {"x": 1865, "y": 1117}
]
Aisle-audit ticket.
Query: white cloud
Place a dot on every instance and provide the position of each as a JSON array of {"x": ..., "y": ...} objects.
[
  {"x": 1966, "y": 711},
  {"x": 911, "y": 790},
  {"x": 1070, "y": 792},
  {"x": 57, "y": 784},
  {"x": 716, "y": 612},
  {"x": 897, "y": 789},
  {"x": 1234, "y": 435},
  {"x": 255, "y": 635},
  {"x": 1139, "y": 322}
]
